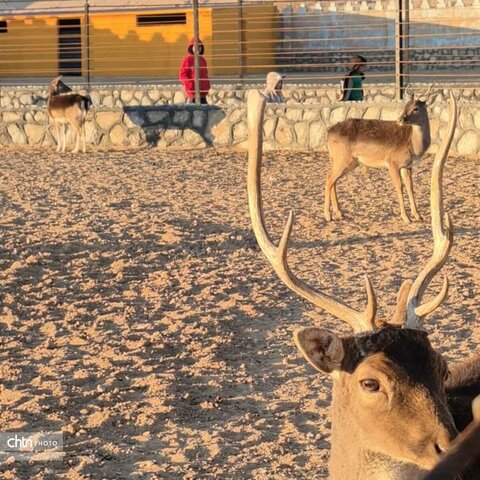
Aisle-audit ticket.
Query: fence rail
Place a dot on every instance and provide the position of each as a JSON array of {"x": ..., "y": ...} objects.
[{"x": 100, "y": 41}]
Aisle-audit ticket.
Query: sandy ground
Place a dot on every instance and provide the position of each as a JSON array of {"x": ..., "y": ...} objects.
[{"x": 139, "y": 316}]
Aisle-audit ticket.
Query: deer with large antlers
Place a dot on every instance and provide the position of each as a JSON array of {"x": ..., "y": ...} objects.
[
  {"x": 395, "y": 408},
  {"x": 395, "y": 145}
]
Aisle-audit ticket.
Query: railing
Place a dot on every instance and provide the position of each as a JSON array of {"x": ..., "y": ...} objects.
[{"x": 124, "y": 41}]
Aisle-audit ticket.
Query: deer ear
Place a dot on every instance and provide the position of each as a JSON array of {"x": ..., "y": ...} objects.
[{"x": 321, "y": 348}]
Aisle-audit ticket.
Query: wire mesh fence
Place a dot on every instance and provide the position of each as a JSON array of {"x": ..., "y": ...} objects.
[{"x": 115, "y": 41}]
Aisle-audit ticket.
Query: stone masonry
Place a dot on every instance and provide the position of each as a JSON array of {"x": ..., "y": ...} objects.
[{"x": 157, "y": 117}]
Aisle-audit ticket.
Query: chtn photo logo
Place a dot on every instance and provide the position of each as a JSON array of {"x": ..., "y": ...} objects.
[
  {"x": 26, "y": 443},
  {"x": 31, "y": 445}
]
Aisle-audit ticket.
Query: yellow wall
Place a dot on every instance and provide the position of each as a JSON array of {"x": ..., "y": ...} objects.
[
  {"x": 29, "y": 48},
  {"x": 120, "y": 48},
  {"x": 259, "y": 35}
]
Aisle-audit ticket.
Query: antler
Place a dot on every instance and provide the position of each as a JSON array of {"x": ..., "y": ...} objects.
[
  {"x": 423, "y": 96},
  {"x": 277, "y": 256},
  {"x": 409, "y": 91},
  {"x": 442, "y": 235},
  {"x": 428, "y": 92}
]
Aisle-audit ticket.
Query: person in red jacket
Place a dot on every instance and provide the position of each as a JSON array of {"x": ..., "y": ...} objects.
[{"x": 187, "y": 73}]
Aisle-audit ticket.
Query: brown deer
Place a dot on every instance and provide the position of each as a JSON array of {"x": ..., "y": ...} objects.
[
  {"x": 65, "y": 107},
  {"x": 394, "y": 407},
  {"x": 395, "y": 145}
]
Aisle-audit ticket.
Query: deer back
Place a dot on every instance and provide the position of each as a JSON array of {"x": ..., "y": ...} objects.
[
  {"x": 379, "y": 143},
  {"x": 59, "y": 106}
]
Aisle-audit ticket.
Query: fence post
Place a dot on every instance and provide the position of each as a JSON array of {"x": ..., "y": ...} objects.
[
  {"x": 87, "y": 42},
  {"x": 241, "y": 63},
  {"x": 401, "y": 47},
  {"x": 406, "y": 44},
  {"x": 195, "y": 53}
]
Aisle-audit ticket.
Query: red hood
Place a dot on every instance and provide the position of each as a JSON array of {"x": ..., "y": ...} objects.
[{"x": 192, "y": 43}]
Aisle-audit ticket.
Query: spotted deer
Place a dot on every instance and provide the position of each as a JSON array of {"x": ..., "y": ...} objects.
[
  {"x": 395, "y": 145},
  {"x": 396, "y": 405},
  {"x": 65, "y": 107}
]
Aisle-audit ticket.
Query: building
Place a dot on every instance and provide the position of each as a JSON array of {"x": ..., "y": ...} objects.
[{"x": 125, "y": 38}]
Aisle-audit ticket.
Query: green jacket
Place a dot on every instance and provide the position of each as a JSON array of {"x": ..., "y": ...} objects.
[{"x": 352, "y": 87}]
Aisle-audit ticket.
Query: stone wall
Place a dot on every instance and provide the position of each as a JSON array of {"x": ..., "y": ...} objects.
[
  {"x": 107, "y": 96},
  {"x": 287, "y": 126}
]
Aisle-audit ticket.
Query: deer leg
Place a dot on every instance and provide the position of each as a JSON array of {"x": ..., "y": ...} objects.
[
  {"x": 329, "y": 190},
  {"x": 328, "y": 187},
  {"x": 331, "y": 187},
  {"x": 77, "y": 143},
  {"x": 75, "y": 123},
  {"x": 59, "y": 138},
  {"x": 397, "y": 182},
  {"x": 64, "y": 135},
  {"x": 406, "y": 174},
  {"x": 337, "y": 213},
  {"x": 84, "y": 141}
]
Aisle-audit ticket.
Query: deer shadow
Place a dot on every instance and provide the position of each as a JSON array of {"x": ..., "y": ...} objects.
[{"x": 162, "y": 125}]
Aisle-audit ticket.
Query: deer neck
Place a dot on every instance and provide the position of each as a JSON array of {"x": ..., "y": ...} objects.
[
  {"x": 350, "y": 457},
  {"x": 420, "y": 139}
]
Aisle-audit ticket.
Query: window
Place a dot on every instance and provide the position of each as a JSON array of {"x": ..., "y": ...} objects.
[
  {"x": 161, "y": 19},
  {"x": 3, "y": 27},
  {"x": 69, "y": 47}
]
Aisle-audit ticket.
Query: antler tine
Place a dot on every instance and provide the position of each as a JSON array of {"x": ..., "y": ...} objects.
[
  {"x": 401, "y": 307},
  {"x": 427, "y": 94},
  {"x": 277, "y": 256},
  {"x": 442, "y": 235}
]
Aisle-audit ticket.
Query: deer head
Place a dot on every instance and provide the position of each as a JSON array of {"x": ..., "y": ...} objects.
[
  {"x": 57, "y": 87},
  {"x": 415, "y": 111},
  {"x": 390, "y": 414}
]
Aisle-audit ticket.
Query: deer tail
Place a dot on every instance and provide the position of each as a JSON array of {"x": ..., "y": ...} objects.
[{"x": 86, "y": 103}]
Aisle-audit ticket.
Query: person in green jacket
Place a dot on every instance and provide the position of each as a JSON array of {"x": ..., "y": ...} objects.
[{"x": 352, "y": 86}]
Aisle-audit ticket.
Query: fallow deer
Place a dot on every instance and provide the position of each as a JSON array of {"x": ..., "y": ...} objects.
[
  {"x": 395, "y": 145},
  {"x": 65, "y": 107},
  {"x": 393, "y": 409}
]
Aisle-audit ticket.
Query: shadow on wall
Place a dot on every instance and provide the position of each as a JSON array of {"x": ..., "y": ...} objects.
[{"x": 165, "y": 125}]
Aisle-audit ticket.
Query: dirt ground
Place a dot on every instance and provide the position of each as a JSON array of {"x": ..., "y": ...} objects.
[{"x": 139, "y": 316}]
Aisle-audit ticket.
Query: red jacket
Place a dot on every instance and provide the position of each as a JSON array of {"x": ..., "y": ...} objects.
[{"x": 187, "y": 72}]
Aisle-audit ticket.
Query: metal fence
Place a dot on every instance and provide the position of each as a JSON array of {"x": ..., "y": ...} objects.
[{"x": 120, "y": 41}]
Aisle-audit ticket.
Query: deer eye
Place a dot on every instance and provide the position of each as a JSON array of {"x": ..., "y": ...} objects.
[
  {"x": 370, "y": 385},
  {"x": 415, "y": 110}
]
